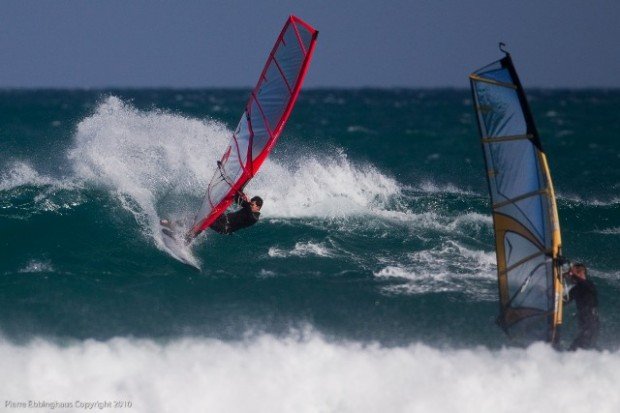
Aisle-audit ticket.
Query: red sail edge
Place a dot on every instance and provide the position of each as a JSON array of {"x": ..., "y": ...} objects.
[{"x": 253, "y": 163}]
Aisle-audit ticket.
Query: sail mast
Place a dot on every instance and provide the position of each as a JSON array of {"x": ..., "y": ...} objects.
[
  {"x": 525, "y": 219},
  {"x": 268, "y": 108}
]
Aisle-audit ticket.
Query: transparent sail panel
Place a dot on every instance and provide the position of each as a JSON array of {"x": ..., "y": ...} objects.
[
  {"x": 520, "y": 197},
  {"x": 264, "y": 117}
]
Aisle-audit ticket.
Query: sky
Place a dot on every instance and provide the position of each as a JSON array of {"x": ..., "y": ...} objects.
[{"x": 364, "y": 43}]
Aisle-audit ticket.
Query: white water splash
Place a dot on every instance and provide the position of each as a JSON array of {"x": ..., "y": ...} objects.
[
  {"x": 611, "y": 201},
  {"x": 432, "y": 187},
  {"x": 37, "y": 266},
  {"x": 450, "y": 267},
  {"x": 306, "y": 373},
  {"x": 324, "y": 187},
  {"x": 20, "y": 174},
  {"x": 608, "y": 231},
  {"x": 147, "y": 158},
  {"x": 20, "y": 178},
  {"x": 302, "y": 249},
  {"x": 157, "y": 163},
  {"x": 143, "y": 155}
]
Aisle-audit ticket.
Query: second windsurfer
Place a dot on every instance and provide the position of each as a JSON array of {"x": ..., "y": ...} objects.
[{"x": 586, "y": 298}]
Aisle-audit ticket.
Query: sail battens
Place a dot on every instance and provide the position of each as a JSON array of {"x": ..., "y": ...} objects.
[
  {"x": 267, "y": 109},
  {"x": 288, "y": 86},
  {"x": 524, "y": 260},
  {"x": 262, "y": 114},
  {"x": 527, "y": 238},
  {"x": 492, "y": 82},
  {"x": 520, "y": 198},
  {"x": 301, "y": 43},
  {"x": 491, "y": 139},
  {"x": 239, "y": 155}
]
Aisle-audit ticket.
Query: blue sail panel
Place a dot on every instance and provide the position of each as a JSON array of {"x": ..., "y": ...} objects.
[{"x": 523, "y": 203}]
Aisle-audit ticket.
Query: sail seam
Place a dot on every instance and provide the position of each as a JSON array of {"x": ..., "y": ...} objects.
[
  {"x": 273, "y": 59},
  {"x": 262, "y": 114},
  {"x": 491, "y": 139},
  {"x": 299, "y": 40},
  {"x": 234, "y": 138},
  {"x": 524, "y": 260},
  {"x": 520, "y": 198},
  {"x": 493, "y": 82}
]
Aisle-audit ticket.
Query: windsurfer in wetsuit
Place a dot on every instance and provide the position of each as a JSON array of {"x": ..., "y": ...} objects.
[
  {"x": 229, "y": 222},
  {"x": 248, "y": 215},
  {"x": 586, "y": 299}
]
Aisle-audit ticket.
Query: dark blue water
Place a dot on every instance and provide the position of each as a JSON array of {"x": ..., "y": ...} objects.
[{"x": 376, "y": 230}]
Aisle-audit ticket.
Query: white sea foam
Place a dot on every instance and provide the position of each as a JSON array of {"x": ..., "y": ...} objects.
[
  {"x": 22, "y": 174},
  {"x": 36, "y": 266},
  {"x": 613, "y": 276},
  {"x": 154, "y": 162},
  {"x": 150, "y": 157},
  {"x": 306, "y": 373},
  {"x": 322, "y": 186},
  {"x": 432, "y": 187},
  {"x": 471, "y": 219},
  {"x": 419, "y": 223},
  {"x": 302, "y": 249},
  {"x": 158, "y": 164},
  {"x": 613, "y": 200},
  {"x": 147, "y": 158},
  {"x": 142, "y": 154},
  {"x": 608, "y": 231},
  {"x": 450, "y": 267},
  {"x": 359, "y": 129}
]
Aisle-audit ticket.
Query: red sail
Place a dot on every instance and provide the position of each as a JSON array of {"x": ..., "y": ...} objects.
[{"x": 265, "y": 115}]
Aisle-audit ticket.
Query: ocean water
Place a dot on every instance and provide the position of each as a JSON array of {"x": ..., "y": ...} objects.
[{"x": 368, "y": 284}]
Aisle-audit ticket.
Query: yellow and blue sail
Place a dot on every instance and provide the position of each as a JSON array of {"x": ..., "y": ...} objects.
[{"x": 525, "y": 218}]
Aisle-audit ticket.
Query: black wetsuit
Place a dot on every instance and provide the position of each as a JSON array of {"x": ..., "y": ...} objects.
[
  {"x": 586, "y": 298},
  {"x": 233, "y": 221}
]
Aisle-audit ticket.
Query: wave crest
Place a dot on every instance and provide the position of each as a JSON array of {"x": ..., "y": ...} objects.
[{"x": 305, "y": 372}]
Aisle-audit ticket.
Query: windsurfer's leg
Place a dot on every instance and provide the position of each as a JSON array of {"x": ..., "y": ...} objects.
[
  {"x": 221, "y": 225},
  {"x": 586, "y": 339}
]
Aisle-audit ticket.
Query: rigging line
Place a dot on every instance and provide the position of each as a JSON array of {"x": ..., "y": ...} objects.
[
  {"x": 492, "y": 82},
  {"x": 522, "y": 286},
  {"x": 225, "y": 178}
]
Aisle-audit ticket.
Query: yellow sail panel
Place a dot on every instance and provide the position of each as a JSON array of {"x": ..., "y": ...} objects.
[
  {"x": 556, "y": 245},
  {"x": 527, "y": 232}
]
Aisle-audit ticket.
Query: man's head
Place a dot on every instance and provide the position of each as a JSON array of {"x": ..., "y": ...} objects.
[
  {"x": 578, "y": 270},
  {"x": 257, "y": 203}
]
